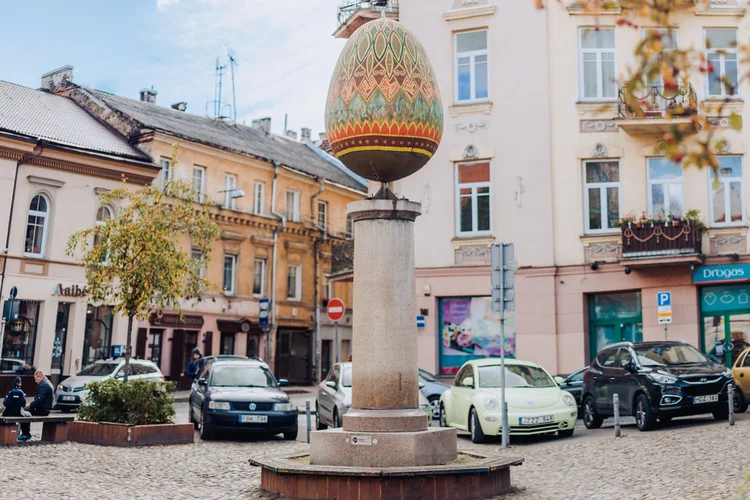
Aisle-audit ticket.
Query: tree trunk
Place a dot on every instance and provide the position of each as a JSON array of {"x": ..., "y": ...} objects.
[{"x": 127, "y": 348}]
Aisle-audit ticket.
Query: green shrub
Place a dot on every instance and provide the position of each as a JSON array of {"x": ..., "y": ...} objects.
[{"x": 137, "y": 402}]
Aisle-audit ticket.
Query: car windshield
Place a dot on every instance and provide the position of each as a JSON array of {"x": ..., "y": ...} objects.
[
  {"x": 515, "y": 376},
  {"x": 241, "y": 376},
  {"x": 99, "y": 369},
  {"x": 669, "y": 355},
  {"x": 346, "y": 379},
  {"x": 427, "y": 376}
]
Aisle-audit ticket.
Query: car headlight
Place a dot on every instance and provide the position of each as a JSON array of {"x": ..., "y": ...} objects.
[
  {"x": 728, "y": 373},
  {"x": 492, "y": 403},
  {"x": 218, "y": 405},
  {"x": 283, "y": 407},
  {"x": 568, "y": 400},
  {"x": 660, "y": 378}
]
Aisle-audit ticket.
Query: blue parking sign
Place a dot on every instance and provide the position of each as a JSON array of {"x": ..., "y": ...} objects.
[{"x": 664, "y": 299}]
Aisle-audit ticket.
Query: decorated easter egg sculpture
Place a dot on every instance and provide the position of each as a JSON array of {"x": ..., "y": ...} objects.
[{"x": 384, "y": 116}]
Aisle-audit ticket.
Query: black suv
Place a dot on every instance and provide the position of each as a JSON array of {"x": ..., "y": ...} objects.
[{"x": 654, "y": 380}]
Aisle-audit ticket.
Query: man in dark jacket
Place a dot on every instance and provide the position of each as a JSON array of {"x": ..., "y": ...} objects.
[
  {"x": 15, "y": 401},
  {"x": 195, "y": 366},
  {"x": 43, "y": 402}
]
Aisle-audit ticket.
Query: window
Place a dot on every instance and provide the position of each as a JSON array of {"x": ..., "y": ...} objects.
[
  {"x": 472, "y": 71},
  {"x": 230, "y": 185},
  {"x": 37, "y": 226},
  {"x": 166, "y": 170},
  {"x": 349, "y": 227},
  {"x": 227, "y": 343},
  {"x": 323, "y": 215},
  {"x": 664, "y": 188},
  {"x": 727, "y": 199},
  {"x": 258, "y": 198},
  {"x": 19, "y": 343},
  {"x": 294, "y": 282},
  {"x": 196, "y": 256},
  {"x": 97, "y": 337},
  {"x": 721, "y": 54},
  {"x": 259, "y": 277},
  {"x": 230, "y": 274},
  {"x": 102, "y": 216},
  {"x": 154, "y": 346},
  {"x": 473, "y": 212},
  {"x": 597, "y": 63},
  {"x": 601, "y": 196},
  {"x": 292, "y": 206},
  {"x": 199, "y": 184}
]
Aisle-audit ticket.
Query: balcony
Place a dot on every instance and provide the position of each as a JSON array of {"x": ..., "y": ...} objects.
[
  {"x": 354, "y": 13},
  {"x": 661, "y": 109},
  {"x": 661, "y": 243}
]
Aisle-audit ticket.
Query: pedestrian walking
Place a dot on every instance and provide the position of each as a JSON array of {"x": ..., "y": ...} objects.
[
  {"x": 43, "y": 402},
  {"x": 195, "y": 366}
]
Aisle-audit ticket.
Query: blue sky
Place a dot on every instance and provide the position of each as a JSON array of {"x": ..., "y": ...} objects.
[{"x": 284, "y": 48}]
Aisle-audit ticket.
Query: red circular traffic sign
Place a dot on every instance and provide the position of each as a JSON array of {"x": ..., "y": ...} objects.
[{"x": 335, "y": 309}]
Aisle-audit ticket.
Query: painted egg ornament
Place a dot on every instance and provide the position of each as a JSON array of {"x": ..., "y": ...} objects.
[{"x": 384, "y": 116}]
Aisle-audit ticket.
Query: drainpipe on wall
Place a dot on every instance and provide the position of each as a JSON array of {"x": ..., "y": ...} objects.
[
  {"x": 282, "y": 219},
  {"x": 316, "y": 299}
]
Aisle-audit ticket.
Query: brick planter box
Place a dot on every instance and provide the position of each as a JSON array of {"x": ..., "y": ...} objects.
[{"x": 110, "y": 434}]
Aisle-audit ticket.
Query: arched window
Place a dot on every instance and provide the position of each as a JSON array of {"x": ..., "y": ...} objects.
[
  {"x": 37, "y": 226},
  {"x": 102, "y": 216}
]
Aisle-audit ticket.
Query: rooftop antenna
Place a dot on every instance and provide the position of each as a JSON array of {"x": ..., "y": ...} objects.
[
  {"x": 232, "y": 64},
  {"x": 219, "y": 108},
  {"x": 285, "y": 123}
]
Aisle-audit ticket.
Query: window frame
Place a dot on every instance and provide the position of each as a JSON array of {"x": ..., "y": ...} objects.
[
  {"x": 598, "y": 52},
  {"x": 45, "y": 226},
  {"x": 295, "y": 216},
  {"x": 324, "y": 212},
  {"x": 202, "y": 268},
  {"x": 348, "y": 227},
  {"x": 230, "y": 203},
  {"x": 472, "y": 68},
  {"x": 262, "y": 276},
  {"x": 474, "y": 201},
  {"x": 727, "y": 203},
  {"x": 650, "y": 183},
  {"x": 602, "y": 186},
  {"x": 297, "y": 282},
  {"x": 259, "y": 189},
  {"x": 228, "y": 257},
  {"x": 99, "y": 223},
  {"x": 732, "y": 50},
  {"x": 166, "y": 170},
  {"x": 199, "y": 196}
]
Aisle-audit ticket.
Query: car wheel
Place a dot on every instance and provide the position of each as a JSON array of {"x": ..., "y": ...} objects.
[
  {"x": 291, "y": 436},
  {"x": 318, "y": 425},
  {"x": 475, "y": 428},
  {"x": 740, "y": 403},
  {"x": 644, "y": 417},
  {"x": 435, "y": 403},
  {"x": 566, "y": 434},
  {"x": 443, "y": 421},
  {"x": 206, "y": 432},
  {"x": 192, "y": 417},
  {"x": 721, "y": 413},
  {"x": 336, "y": 423},
  {"x": 591, "y": 419}
]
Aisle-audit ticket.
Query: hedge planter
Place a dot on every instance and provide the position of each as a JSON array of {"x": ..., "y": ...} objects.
[{"x": 109, "y": 434}]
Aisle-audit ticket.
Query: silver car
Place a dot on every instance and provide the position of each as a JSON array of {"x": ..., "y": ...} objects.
[{"x": 335, "y": 397}]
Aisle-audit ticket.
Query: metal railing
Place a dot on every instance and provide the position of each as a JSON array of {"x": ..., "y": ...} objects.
[
  {"x": 661, "y": 239},
  {"x": 656, "y": 101},
  {"x": 349, "y": 7}
]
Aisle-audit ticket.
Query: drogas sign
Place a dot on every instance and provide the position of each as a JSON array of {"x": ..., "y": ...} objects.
[{"x": 733, "y": 273}]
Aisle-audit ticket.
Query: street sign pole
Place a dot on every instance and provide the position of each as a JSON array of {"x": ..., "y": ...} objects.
[
  {"x": 336, "y": 338},
  {"x": 503, "y": 271}
]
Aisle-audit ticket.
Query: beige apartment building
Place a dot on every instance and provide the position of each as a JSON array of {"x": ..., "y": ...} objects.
[{"x": 540, "y": 150}]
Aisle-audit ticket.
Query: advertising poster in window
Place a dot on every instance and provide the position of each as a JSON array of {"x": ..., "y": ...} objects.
[{"x": 470, "y": 330}]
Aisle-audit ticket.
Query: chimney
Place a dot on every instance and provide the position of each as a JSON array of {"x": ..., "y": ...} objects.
[
  {"x": 291, "y": 134},
  {"x": 262, "y": 124},
  {"x": 323, "y": 136},
  {"x": 306, "y": 133},
  {"x": 57, "y": 78},
  {"x": 149, "y": 95},
  {"x": 180, "y": 106}
]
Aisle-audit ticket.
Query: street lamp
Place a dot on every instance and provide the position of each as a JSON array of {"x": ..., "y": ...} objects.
[{"x": 236, "y": 193}]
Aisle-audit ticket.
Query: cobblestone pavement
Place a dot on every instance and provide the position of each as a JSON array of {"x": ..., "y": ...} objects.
[{"x": 691, "y": 459}]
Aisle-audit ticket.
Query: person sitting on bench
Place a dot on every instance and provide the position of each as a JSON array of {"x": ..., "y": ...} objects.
[
  {"x": 15, "y": 401},
  {"x": 42, "y": 404}
]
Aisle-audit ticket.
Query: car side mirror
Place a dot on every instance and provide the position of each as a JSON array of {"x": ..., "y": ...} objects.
[
  {"x": 331, "y": 384},
  {"x": 202, "y": 381},
  {"x": 421, "y": 385},
  {"x": 120, "y": 375},
  {"x": 630, "y": 366},
  {"x": 559, "y": 380},
  {"x": 283, "y": 382},
  {"x": 468, "y": 382}
]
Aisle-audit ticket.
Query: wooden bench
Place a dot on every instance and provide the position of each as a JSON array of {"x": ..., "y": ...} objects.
[{"x": 54, "y": 428}]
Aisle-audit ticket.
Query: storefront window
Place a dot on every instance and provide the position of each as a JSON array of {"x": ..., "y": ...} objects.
[
  {"x": 470, "y": 330},
  {"x": 154, "y": 345},
  {"x": 614, "y": 317},
  {"x": 20, "y": 338},
  {"x": 227, "y": 343},
  {"x": 98, "y": 336}
]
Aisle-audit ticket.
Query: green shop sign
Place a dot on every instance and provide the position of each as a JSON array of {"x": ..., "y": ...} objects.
[
  {"x": 722, "y": 299},
  {"x": 732, "y": 273}
]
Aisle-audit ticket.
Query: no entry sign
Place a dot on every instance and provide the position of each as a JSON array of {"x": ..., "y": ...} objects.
[{"x": 336, "y": 309}]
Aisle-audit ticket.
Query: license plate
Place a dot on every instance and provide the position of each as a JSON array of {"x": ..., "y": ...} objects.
[
  {"x": 536, "y": 420},
  {"x": 253, "y": 419},
  {"x": 68, "y": 398},
  {"x": 713, "y": 398}
]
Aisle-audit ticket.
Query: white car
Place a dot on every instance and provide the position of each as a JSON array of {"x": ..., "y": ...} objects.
[
  {"x": 536, "y": 404},
  {"x": 335, "y": 397},
  {"x": 71, "y": 393}
]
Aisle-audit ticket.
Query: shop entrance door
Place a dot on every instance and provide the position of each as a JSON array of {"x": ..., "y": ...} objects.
[
  {"x": 293, "y": 349},
  {"x": 58, "y": 345},
  {"x": 726, "y": 322},
  {"x": 614, "y": 317}
]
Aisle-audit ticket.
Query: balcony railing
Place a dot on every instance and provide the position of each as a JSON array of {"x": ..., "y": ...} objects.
[
  {"x": 366, "y": 10},
  {"x": 661, "y": 239},
  {"x": 656, "y": 101}
]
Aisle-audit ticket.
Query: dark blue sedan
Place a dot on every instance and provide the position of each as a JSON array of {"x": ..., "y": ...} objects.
[{"x": 241, "y": 396}]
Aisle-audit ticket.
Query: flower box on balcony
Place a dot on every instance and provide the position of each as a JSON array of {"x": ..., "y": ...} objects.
[{"x": 661, "y": 239}]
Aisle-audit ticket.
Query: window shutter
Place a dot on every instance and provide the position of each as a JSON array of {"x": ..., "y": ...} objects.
[
  {"x": 208, "y": 343},
  {"x": 140, "y": 345}
]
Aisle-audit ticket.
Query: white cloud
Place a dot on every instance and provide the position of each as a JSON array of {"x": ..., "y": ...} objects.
[{"x": 285, "y": 50}]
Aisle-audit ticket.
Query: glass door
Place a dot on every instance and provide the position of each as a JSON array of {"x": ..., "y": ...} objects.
[
  {"x": 614, "y": 317},
  {"x": 58, "y": 346}
]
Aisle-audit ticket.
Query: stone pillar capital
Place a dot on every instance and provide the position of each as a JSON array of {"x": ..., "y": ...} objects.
[{"x": 384, "y": 209}]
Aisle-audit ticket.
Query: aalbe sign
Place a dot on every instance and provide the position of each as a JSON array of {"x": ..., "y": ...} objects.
[
  {"x": 336, "y": 309},
  {"x": 69, "y": 291}
]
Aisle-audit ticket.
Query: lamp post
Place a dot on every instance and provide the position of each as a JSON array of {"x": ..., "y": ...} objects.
[{"x": 38, "y": 150}]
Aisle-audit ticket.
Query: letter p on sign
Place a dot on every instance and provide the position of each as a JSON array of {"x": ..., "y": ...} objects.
[{"x": 664, "y": 299}]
